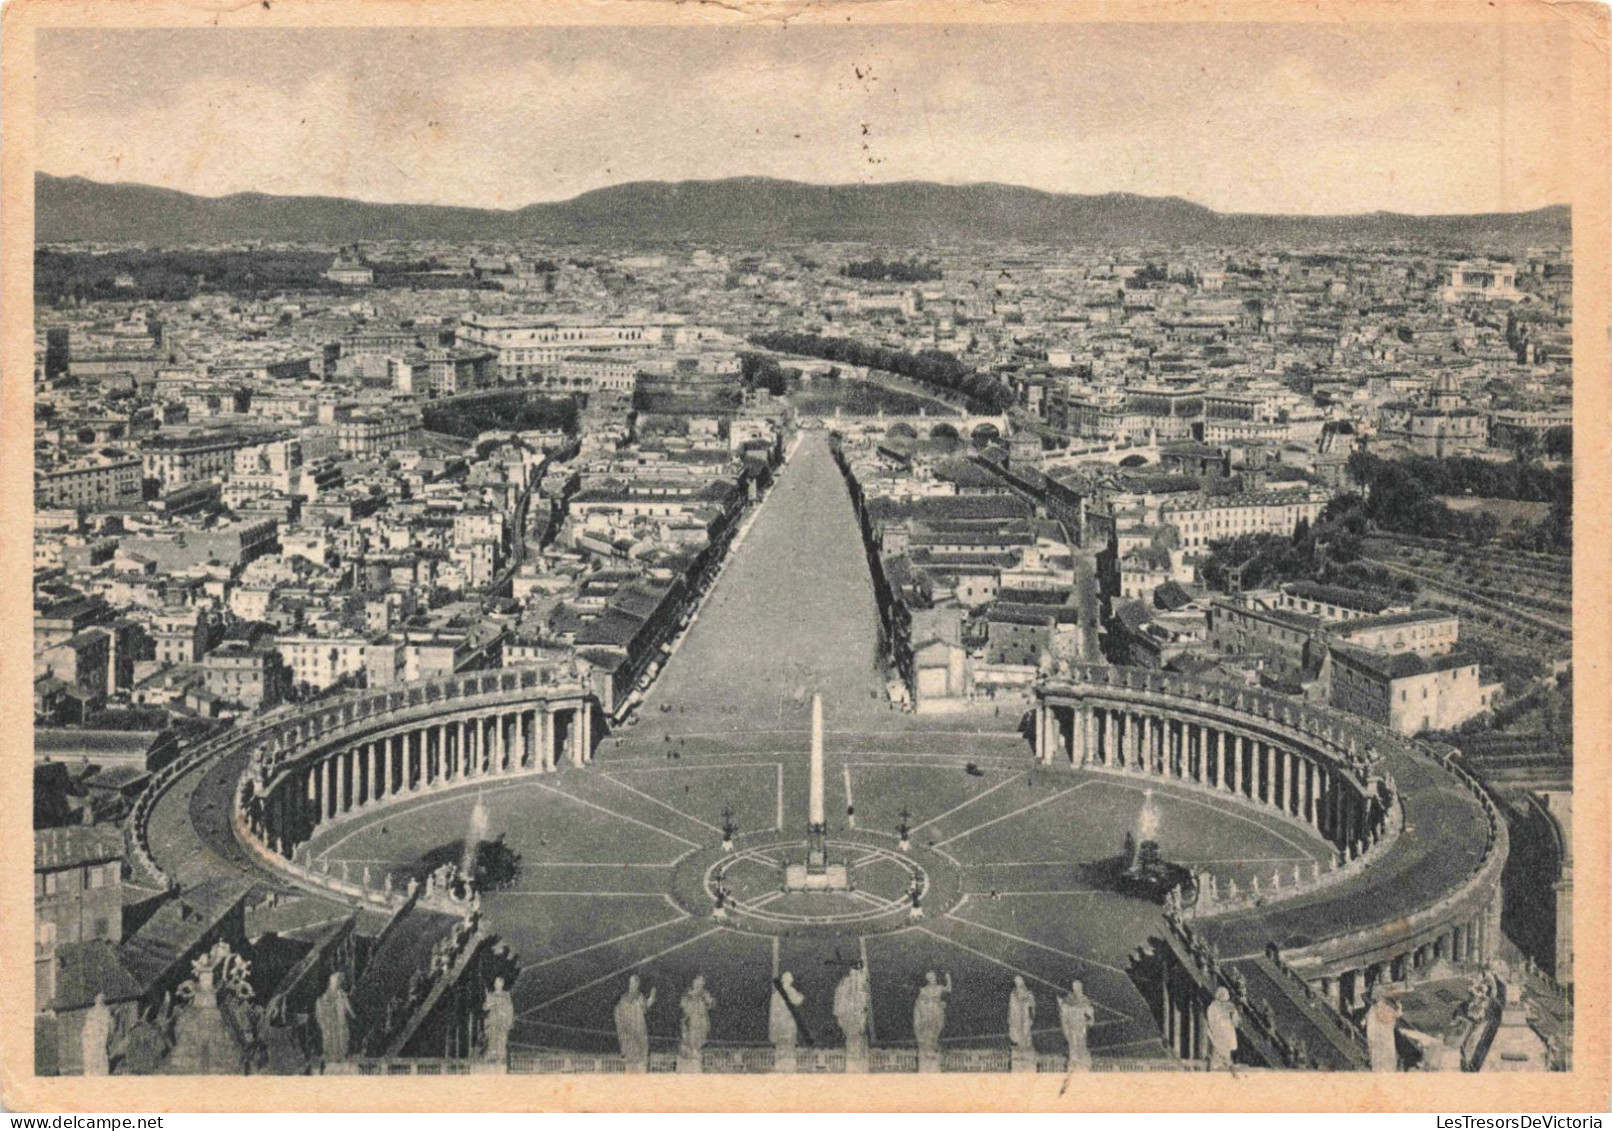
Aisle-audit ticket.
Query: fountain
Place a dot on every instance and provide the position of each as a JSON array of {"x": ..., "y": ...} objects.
[
  {"x": 1144, "y": 871},
  {"x": 1145, "y": 841},
  {"x": 475, "y": 836}
]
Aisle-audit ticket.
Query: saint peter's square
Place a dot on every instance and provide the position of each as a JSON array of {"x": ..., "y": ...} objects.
[{"x": 768, "y": 821}]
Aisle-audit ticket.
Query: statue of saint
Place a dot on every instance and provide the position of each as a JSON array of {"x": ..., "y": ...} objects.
[
  {"x": 96, "y": 1038},
  {"x": 333, "y": 1014},
  {"x": 632, "y": 1025},
  {"x": 853, "y": 1007},
  {"x": 1382, "y": 1019},
  {"x": 697, "y": 1004},
  {"x": 782, "y": 1029},
  {"x": 929, "y": 1014},
  {"x": 1021, "y": 1016},
  {"x": 498, "y": 1014},
  {"x": 1221, "y": 1028},
  {"x": 1075, "y": 1017}
]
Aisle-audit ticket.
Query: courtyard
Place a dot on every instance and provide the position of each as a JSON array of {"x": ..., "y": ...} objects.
[{"x": 617, "y": 858}]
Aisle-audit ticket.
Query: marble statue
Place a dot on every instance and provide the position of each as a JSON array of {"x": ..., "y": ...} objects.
[
  {"x": 96, "y": 1037},
  {"x": 1076, "y": 1014},
  {"x": 632, "y": 1025},
  {"x": 1382, "y": 1019},
  {"x": 333, "y": 1013},
  {"x": 1021, "y": 1016},
  {"x": 1220, "y": 1026},
  {"x": 782, "y": 1029},
  {"x": 697, "y": 1004},
  {"x": 853, "y": 1008},
  {"x": 498, "y": 1014},
  {"x": 929, "y": 1015}
]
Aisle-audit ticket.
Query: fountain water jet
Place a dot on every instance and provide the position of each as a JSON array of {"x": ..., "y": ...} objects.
[
  {"x": 473, "y": 838},
  {"x": 1147, "y": 821},
  {"x": 1144, "y": 841}
]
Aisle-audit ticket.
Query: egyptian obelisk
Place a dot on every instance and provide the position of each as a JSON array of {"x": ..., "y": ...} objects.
[{"x": 816, "y": 821}]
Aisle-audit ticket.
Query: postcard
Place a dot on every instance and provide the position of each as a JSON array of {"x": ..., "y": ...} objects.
[{"x": 641, "y": 556}]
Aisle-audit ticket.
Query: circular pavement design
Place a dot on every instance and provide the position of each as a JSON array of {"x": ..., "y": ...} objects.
[
  {"x": 882, "y": 878},
  {"x": 619, "y": 861}
]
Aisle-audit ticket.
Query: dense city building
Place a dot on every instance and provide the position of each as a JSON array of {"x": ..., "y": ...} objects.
[{"x": 1256, "y": 544}]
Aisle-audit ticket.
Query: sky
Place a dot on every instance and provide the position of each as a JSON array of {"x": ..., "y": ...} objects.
[{"x": 1244, "y": 118}]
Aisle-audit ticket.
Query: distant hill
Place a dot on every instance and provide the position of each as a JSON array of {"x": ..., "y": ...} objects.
[{"x": 749, "y": 210}]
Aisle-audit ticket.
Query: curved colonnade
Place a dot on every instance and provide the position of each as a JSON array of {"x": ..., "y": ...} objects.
[
  {"x": 395, "y": 744},
  {"x": 1336, "y": 775}
]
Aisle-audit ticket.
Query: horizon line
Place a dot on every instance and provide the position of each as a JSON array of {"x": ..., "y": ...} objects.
[{"x": 512, "y": 210}]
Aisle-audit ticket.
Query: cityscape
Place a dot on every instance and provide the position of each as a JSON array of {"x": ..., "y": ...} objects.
[{"x": 750, "y": 625}]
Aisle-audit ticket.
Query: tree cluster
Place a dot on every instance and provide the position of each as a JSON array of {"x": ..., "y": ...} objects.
[
  {"x": 173, "y": 276},
  {"x": 1154, "y": 274},
  {"x": 935, "y": 368},
  {"x": 505, "y": 412},
  {"x": 176, "y": 276},
  {"x": 759, "y": 369},
  {"x": 877, "y": 270},
  {"x": 1404, "y": 498},
  {"x": 1329, "y": 552}
]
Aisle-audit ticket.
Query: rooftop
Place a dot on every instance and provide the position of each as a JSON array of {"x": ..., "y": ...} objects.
[
  {"x": 76, "y": 845},
  {"x": 1403, "y": 665}
]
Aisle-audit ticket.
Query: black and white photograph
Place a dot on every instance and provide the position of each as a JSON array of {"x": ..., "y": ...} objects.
[{"x": 735, "y": 546}]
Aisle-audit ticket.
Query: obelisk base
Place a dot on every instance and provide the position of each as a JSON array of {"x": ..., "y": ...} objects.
[
  {"x": 816, "y": 849},
  {"x": 800, "y": 877}
]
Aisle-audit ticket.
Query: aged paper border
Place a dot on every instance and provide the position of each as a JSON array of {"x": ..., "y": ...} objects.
[{"x": 1585, "y": 1089}]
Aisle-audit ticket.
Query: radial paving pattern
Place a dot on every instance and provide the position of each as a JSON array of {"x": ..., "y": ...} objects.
[{"x": 617, "y": 859}]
